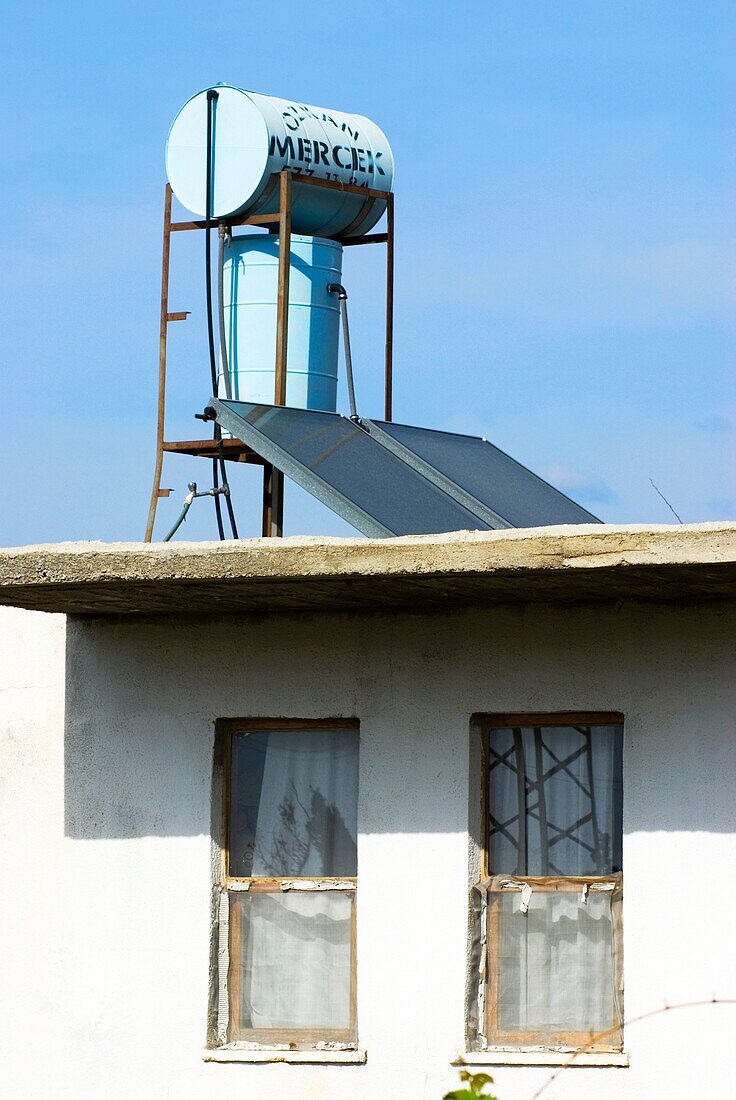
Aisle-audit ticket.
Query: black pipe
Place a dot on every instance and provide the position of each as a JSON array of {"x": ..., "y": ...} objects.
[
  {"x": 226, "y": 486},
  {"x": 212, "y": 97},
  {"x": 218, "y": 509}
]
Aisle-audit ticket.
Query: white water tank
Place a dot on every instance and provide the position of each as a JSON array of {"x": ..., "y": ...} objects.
[{"x": 255, "y": 136}]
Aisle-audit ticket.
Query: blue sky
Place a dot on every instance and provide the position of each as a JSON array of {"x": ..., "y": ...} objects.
[{"x": 566, "y": 236}]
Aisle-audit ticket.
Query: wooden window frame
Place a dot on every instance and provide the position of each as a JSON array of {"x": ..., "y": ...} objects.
[
  {"x": 497, "y": 883},
  {"x": 225, "y": 730}
]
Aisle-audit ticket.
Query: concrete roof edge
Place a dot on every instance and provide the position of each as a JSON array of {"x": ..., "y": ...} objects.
[{"x": 580, "y": 547}]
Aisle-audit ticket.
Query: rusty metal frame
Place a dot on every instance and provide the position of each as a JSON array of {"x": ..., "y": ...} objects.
[
  {"x": 273, "y": 479},
  {"x": 165, "y": 318}
]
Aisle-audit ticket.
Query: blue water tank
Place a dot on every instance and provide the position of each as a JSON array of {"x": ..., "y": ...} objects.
[{"x": 250, "y": 299}]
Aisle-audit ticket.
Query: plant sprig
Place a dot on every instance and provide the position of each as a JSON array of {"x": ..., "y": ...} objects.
[{"x": 476, "y": 1086}]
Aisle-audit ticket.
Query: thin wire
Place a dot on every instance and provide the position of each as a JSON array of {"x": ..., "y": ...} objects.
[
  {"x": 627, "y": 1023},
  {"x": 664, "y": 498}
]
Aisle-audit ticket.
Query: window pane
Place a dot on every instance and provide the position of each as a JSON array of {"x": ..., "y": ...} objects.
[
  {"x": 294, "y": 803},
  {"x": 294, "y": 961},
  {"x": 556, "y": 962},
  {"x": 554, "y": 800}
]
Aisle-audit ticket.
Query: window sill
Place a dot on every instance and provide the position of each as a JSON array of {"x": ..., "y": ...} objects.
[
  {"x": 538, "y": 1056},
  {"x": 294, "y": 1057}
]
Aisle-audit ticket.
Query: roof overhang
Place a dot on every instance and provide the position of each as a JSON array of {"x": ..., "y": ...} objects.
[{"x": 547, "y": 564}]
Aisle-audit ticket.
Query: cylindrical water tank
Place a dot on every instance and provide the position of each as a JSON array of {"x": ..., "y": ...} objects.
[
  {"x": 250, "y": 297},
  {"x": 255, "y": 136}
]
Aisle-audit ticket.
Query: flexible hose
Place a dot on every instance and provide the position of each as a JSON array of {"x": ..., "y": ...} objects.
[
  {"x": 212, "y": 96},
  {"x": 182, "y": 517},
  {"x": 348, "y": 357},
  {"x": 192, "y": 496},
  {"x": 342, "y": 294}
]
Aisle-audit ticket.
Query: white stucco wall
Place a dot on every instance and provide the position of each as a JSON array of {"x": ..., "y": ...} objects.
[{"x": 104, "y": 836}]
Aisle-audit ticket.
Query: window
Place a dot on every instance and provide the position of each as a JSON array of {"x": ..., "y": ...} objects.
[
  {"x": 551, "y": 888},
  {"x": 286, "y": 895}
]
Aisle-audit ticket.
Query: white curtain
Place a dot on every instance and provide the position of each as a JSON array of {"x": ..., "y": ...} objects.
[
  {"x": 554, "y": 800},
  {"x": 295, "y": 803},
  {"x": 296, "y": 962},
  {"x": 294, "y": 815},
  {"x": 556, "y": 962}
]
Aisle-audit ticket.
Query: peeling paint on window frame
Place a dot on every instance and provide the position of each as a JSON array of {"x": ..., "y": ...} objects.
[
  {"x": 223, "y": 1029},
  {"x": 482, "y": 1030}
]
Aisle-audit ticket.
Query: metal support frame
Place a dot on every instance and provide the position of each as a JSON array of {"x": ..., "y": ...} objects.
[
  {"x": 163, "y": 333},
  {"x": 273, "y": 479}
]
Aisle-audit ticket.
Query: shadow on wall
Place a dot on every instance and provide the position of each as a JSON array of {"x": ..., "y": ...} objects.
[
  {"x": 141, "y": 704},
  {"x": 142, "y": 698},
  {"x": 131, "y": 769}
]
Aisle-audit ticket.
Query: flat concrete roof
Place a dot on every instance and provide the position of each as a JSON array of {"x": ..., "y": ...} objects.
[{"x": 549, "y": 564}]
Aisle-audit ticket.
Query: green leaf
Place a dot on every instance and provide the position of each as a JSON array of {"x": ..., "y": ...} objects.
[{"x": 477, "y": 1083}]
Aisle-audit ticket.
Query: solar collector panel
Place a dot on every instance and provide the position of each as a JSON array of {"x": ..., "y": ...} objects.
[
  {"x": 342, "y": 465},
  {"x": 511, "y": 491}
]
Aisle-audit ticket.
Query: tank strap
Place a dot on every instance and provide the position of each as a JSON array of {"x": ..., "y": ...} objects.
[{"x": 362, "y": 213}]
